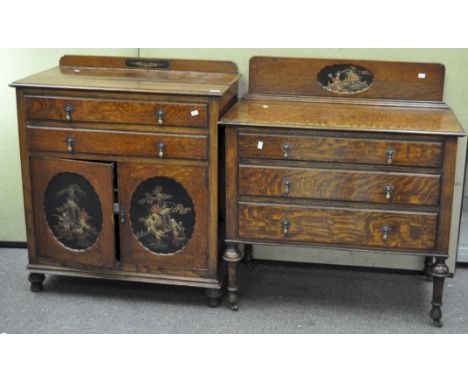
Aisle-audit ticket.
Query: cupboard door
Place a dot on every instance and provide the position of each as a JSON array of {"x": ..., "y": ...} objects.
[
  {"x": 73, "y": 212},
  {"x": 164, "y": 217}
]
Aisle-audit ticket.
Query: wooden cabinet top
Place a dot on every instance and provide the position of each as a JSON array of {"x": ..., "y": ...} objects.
[
  {"x": 346, "y": 95},
  {"x": 139, "y": 75}
]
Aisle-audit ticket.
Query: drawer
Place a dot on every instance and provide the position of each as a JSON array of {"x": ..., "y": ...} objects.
[
  {"x": 116, "y": 111},
  {"x": 345, "y": 185},
  {"x": 340, "y": 226},
  {"x": 346, "y": 150},
  {"x": 117, "y": 143}
]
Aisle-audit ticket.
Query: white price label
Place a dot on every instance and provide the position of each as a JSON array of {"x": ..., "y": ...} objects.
[
  {"x": 260, "y": 145},
  {"x": 422, "y": 75},
  {"x": 194, "y": 113}
]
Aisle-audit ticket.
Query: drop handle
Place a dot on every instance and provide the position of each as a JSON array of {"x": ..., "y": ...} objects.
[
  {"x": 161, "y": 149},
  {"x": 160, "y": 116},
  {"x": 286, "y": 186},
  {"x": 70, "y": 144},
  {"x": 385, "y": 230},
  {"x": 68, "y": 109},
  {"x": 285, "y": 148},
  {"x": 285, "y": 224},
  {"x": 388, "y": 189},
  {"x": 122, "y": 215},
  {"x": 390, "y": 153}
]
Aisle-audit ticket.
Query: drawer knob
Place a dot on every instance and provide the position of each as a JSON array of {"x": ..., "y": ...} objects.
[
  {"x": 70, "y": 143},
  {"x": 161, "y": 149},
  {"x": 385, "y": 230},
  {"x": 286, "y": 186},
  {"x": 122, "y": 214},
  {"x": 388, "y": 189},
  {"x": 390, "y": 153},
  {"x": 160, "y": 115},
  {"x": 285, "y": 224},
  {"x": 68, "y": 109},
  {"x": 285, "y": 149}
]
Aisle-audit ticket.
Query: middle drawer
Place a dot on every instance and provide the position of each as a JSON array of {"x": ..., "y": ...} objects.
[
  {"x": 176, "y": 146},
  {"x": 342, "y": 185}
]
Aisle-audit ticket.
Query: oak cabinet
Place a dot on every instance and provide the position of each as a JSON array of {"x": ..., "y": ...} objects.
[
  {"x": 120, "y": 169},
  {"x": 345, "y": 155}
]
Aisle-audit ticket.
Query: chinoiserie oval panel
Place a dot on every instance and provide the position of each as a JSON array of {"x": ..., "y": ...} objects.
[
  {"x": 73, "y": 211},
  {"x": 345, "y": 79},
  {"x": 162, "y": 215}
]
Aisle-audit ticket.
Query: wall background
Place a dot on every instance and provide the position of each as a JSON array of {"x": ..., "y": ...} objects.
[{"x": 18, "y": 63}]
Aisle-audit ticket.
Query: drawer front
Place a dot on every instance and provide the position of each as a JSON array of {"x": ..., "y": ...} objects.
[
  {"x": 321, "y": 225},
  {"x": 345, "y": 150},
  {"x": 344, "y": 185},
  {"x": 117, "y": 143},
  {"x": 116, "y": 111}
]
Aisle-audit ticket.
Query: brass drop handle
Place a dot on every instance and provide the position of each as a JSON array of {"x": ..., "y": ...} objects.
[
  {"x": 286, "y": 186},
  {"x": 162, "y": 149},
  {"x": 388, "y": 189},
  {"x": 285, "y": 149},
  {"x": 122, "y": 215},
  {"x": 386, "y": 229},
  {"x": 285, "y": 224},
  {"x": 390, "y": 153},
  {"x": 68, "y": 109},
  {"x": 70, "y": 144},
  {"x": 160, "y": 115}
]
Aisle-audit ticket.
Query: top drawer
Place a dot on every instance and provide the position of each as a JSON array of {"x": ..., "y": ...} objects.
[
  {"x": 346, "y": 150},
  {"x": 116, "y": 111}
]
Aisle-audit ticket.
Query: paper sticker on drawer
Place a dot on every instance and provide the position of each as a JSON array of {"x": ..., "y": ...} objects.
[
  {"x": 194, "y": 113},
  {"x": 260, "y": 145}
]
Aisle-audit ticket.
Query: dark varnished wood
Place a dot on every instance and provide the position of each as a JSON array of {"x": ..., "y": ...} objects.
[
  {"x": 337, "y": 149},
  {"x": 181, "y": 146},
  {"x": 338, "y": 226},
  {"x": 183, "y": 77},
  {"x": 343, "y": 185},
  {"x": 392, "y": 80},
  {"x": 102, "y": 253},
  {"x": 193, "y": 256},
  {"x": 332, "y": 117},
  {"x": 114, "y": 124},
  {"x": 36, "y": 280},
  {"x": 307, "y": 167},
  {"x": 116, "y": 111},
  {"x": 204, "y": 66}
]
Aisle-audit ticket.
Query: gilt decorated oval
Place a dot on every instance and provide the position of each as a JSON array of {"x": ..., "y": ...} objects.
[
  {"x": 162, "y": 215},
  {"x": 73, "y": 211},
  {"x": 345, "y": 78}
]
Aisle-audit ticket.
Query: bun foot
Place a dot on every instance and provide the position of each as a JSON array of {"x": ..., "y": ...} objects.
[
  {"x": 234, "y": 307},
  {"x": 214, "y": 297},
  {"x": 36, "y": 280}
]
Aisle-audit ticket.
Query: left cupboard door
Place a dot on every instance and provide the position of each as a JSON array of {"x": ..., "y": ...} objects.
[{"x": 73, "y": 212}]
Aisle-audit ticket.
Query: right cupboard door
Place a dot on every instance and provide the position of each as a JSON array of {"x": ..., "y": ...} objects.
[{"x": 163, "y": 218}]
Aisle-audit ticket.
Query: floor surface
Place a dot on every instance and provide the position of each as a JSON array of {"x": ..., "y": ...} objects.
[{"x": 276, "y": 298}]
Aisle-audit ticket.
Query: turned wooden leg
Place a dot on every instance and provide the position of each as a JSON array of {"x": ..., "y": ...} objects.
[
  {"x": 214, "y": 297},
  {"x": 428, "y": 263},
  {"x": 36, "y": 280},
  {"x": 248, "y": 255},
  {"x": 439, "y": 271},
  {"x": 232, "y": 256}
]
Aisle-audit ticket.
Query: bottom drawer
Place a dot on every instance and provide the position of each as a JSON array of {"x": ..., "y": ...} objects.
[{"x": 341, "y": 226}]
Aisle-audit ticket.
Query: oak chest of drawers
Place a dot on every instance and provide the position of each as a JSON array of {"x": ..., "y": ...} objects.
[
  {"x": 345, "y": 155},
  {"x": 120, "y": 169}
]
